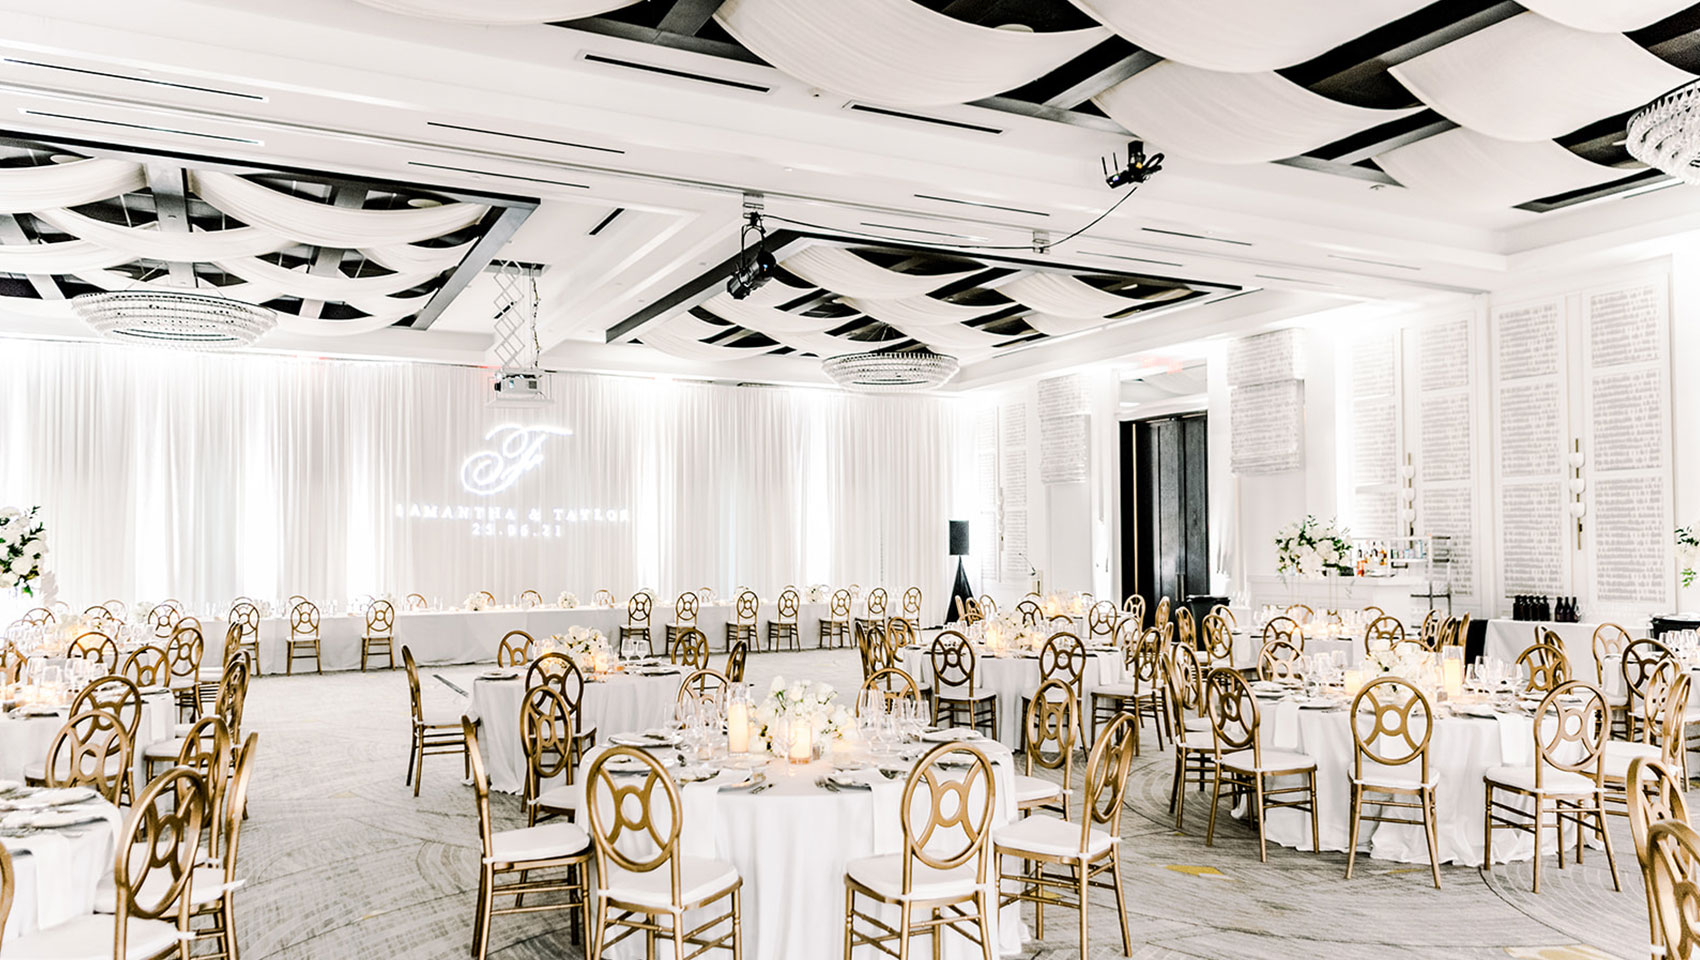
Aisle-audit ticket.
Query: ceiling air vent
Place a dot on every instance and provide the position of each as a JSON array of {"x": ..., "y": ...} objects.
[
  {"x": 141, "y": 126},
  {"x": 602, "y": 224},
  {"x": 523, "y": 136},
  {"x": 127, "y": 77},
  {"x": 981, "y": 203},
  {"x": 923, "y": 118},
  {"x": 1196, "y": 236},
  {"x": 499, "y": 176},
  {"x": 681, "y": 74}
]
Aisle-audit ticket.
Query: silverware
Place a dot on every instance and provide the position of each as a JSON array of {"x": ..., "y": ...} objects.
[{"x": 760, "y": 788}]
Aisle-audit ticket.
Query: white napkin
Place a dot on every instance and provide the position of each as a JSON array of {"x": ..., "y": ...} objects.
[
  {"x": 54, "y": 874},
  {"x": 1516, "y": 740},
  {"x": 700, "y": 803},
  {"x": 1109, "y": 669},
  {"x": 1285, "y": 734}
]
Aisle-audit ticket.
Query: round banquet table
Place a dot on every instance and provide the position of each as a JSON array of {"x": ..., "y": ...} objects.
[
  {"x": 58, "y": 870},
  {"x": 1013, "y": 678},
  {"x": 1248, "y": 645},
  {"x": 623, "y": 703},
  {"x": 1461, "y": 750},
  {"x": 791, "y": 845},
  {"x": 26, "y": 740}
]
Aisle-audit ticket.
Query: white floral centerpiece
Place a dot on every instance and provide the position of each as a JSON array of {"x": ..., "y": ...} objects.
[
  {"x": 586, "y": 647},
  {"x": 804, "y": 701},
  {"x": 567, "y": 600},
  {"x": 1311, "y": 548},
  {"x": 475, "y": 601},
  {"x": 1004, "y": 633},
  {"x": 817, "y": 593},
  {"x": 23, "y": 547}
]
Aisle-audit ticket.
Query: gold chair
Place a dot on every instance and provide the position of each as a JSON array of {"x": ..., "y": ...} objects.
[
  {"x": 1300, "y": 612},
  {"x": 489, "y": 599},
  {"x": 1663, "y": 707},
  {"x": 435, "y": 731},
  {"x": 1186, "y": 629},
  {"x": 547, "y": 669},
  {"x": 1243, "y": 764},
  {"x": 380, "y": 634},
  {"x": 218, "y": 874},
  {"x": 735, "y": 659},
  {"x": 91, "y": 750},
  {"x": 1053, "y": 716},
  {"x": 184, "y": 659},
  {"x": 97, "y": 647},
  {"x": 530, "y": 599},
  {"x": 523, "y": 851},
  {"x": 1640, "y": 661},
  {"x": 783, "y": 627},
  {"x": 942, "y": 871},
  {"x": 988, "y": 606},
  {"x": 1609, "y": 640},
  {"x": 1456, "y": 632},
  {"x": 548, "y": 728},
  {"x": 1430, "y": 632},
  {"x": 1284, "y": 628},
  {"x": 8, "y": 885},
  {"x": 36, "y": 616},
  {"x": 899, "y": 634},
  {"x": 1195, "y": 744},
  {"x": 834, "y": 628},
  {"x": 1101, "y": 621},
  {"x": 303, "y": 639},
  {"x": 1063, "y": 657},
  {"x": 1566, "y": 781},
  {"x": 1383, "y": 633},
  {"x": 912, "y": 608},
  {"x": 1545, "y": 665},
  {"x": 1280, "y": 662},
  {"x": 1029, "y": 612},
  {"x": 245, "y": 619},
  {"x": 147, "y": 666},
  {"x": 1133, "y": 606},
  {"x": 968, "y": 611},
  {"x": 206, "y": 749},
  {"x": 877, "y": 601},
  {"x": 1218, "y": 641},
  {"x": 603, "y": 597},
  {"x": 684, "y": 616},
  {"x": 1141, "y": 693},
  {"x": 871, "y": 647},
  {"x": 514, "y": 649},
  {"x": 649, "y": 896},
  {"x": 689, "y": 648},
  {"x": 700, "y": 686},
  {"x": 1160, "y": 614},
  {"x": 1077, "y": 856},
  {"x": 742, "y": 626},
  {"x": 152, "y": 873},
  {"x": 955, "y": 701},
  {"x": 893, "y": 684},
  {"x": 1392, "y": 724},
  {"x": 417, "y": 601},
  {"x": 1673, "y": 875},
  {"x": 638, "y": 610},
  {"x": 1659, "y": 796}
]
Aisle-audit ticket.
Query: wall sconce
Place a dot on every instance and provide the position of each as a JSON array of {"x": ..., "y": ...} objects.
[{"x": 1577, "y": 487}]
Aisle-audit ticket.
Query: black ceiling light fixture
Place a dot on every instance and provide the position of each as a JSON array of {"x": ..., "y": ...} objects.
[{"x": 754, "y": 265}]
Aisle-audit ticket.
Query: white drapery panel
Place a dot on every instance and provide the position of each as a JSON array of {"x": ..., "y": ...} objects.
[
  {"x": 313, "y": 222},
  {"x": 1528, "y": 78},
  {"x": 312, "y": 286},
  {"x": 1468, "y": 169},
  {"x": 149, "y": 242},
  {"x": 1065, "y": 296},
  {"x": 921, "y": 312},
  {"x": 497, "y": 12},
  {"x": 407, "y": 257},
  {"x": 683, "y": 336},
  {"x": 791, "y": 329},
  {"x": 1055, "y": 326},
  {"x": 897, "y": 51},
  {"x": 1244, "y": 36},
  {"x": 173, "y": 474},
  {"x": 1618, "y": 16},
  {"x": 841, "y": 271},
  {"x": 1232, "y": 117},
  {"x": 23, "y": 189},
  {"x": 65, "y": 256}
]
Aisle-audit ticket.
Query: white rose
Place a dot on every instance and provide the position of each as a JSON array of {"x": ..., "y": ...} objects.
[
  {"x": 8, "y": 514},
  {"x": 8, "y": 579}
]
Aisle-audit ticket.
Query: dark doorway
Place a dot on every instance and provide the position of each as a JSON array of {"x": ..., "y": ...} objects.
[{"x": 1165, "y": 512}]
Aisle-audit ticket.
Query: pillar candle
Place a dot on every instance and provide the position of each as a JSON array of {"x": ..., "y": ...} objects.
[
  {"x": 802, "y": 741},
  {"x": 1452, "y": 676},
  {"x": 1354, "y": 681},
  {"x": 738, "y": 728}
]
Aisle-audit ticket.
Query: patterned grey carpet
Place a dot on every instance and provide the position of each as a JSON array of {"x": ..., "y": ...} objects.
[{"x": 342, "y": 861}]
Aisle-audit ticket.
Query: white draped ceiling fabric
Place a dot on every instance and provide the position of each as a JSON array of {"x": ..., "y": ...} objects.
[
  {"x": 1474, "y": 170},
  {"x": 789, "y": 329},
  {"x": 26, "y": 189},
  {"x": 499, "y": 12},
  {"x": 1617, "y": 16},
  {"x": 897, "y": 52},
  {"x": 1529, "y": 78},
  {"x": 842, "y": 271},
  {"x": 1065, "y": 296},
  {"x": 169, "y": 474},
  {"x": 309, "y": 221},
  {"x": 1244, "y": 36},
  {"x": 1232, "y": 117}
]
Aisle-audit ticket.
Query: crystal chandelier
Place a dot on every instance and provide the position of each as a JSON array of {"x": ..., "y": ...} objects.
[
  {"x": 1666, "y": 133},
  {"x": 895, "y": 371},
  {"x": 174, "y": 318}
]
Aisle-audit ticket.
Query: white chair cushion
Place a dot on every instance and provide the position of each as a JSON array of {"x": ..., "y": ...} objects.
[
  {"x": 884, "y": 876},
  {"x": 210, "y": 674},
  {"x": 1115, "y": 690},
  {"x": 1620, "y": 753},
  {"x": 1199, "y": 740},
  {"x": 182, "y": 729},
  {"x": 1398, "y": 779},
  {"x": 961, "y": 693},
  {"x": 1050, "y": 836},
  {"x": 565, "y": 797},
  {"x": 163, "y": 749},
  {"x": 1272, "y": 760},
  {"x": 1552, "y": 780},
  {"x": 699, "y": 879},
  {"x": 442, "y": 714},
  {"x": 38, "y": 771},
  {"x": 90, "y": 937},
  {"x": 1030, "y": 789},
  {"x": 543, "y": 842},
  {"x": 206, "y": 885},
  {"x": 1197, "y": 723}
]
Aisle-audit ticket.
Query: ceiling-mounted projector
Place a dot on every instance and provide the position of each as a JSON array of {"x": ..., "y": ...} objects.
[{"x": 515, "y": 387}]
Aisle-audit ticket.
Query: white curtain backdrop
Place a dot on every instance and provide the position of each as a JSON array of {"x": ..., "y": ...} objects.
[{"x": 204, "y": 477}]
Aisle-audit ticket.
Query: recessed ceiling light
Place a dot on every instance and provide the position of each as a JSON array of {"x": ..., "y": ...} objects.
[
  {"x": 424, "y": 202},
  {"x": 64, "y": 158},
  {"x": 1014, "y": 27}
]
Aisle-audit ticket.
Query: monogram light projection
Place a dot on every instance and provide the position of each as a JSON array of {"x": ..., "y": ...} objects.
[{"x": 516, "y": 449}]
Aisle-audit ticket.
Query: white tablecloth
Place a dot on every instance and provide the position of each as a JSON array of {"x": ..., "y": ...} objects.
[
  {"x": 791, "y": 845},
  {"x": 26, "y": 741},
  {"x": 1248, "y": 645},
  {"x": 1506, "y": 639},
  {"x": 620, "y": 704},
  {"x": 467, "y": 636},
  {"x": 1013, "y": 678},
  {"x": 1462, "y": 749},
  {"x": 58, "y": 871}
]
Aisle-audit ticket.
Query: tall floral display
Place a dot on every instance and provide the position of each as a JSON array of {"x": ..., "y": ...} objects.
[
  {"x": 23, "y": 549},
  {"x": 1311, "y": 548}
]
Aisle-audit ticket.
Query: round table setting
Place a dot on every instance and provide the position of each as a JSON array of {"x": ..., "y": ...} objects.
[
  {"x": 62, "y": 843},
  {"x": 634, "y": 700},
  {"x": 26, "y": 733},
  {"x": 792, "y": 828},
  {"x": 1014, "y": 677}
]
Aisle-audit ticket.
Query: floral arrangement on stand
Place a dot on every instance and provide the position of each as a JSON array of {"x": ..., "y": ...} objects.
[
  {"x": 806, "y": 702},
  {"x": 1311, "y": 548},
  {"x": 567, "y": 600},
  {"x": 475, "y": 601},
  {"x": 817, "y": 593},
  {"x": 1687, "y": 549},
  {"x": 23, "y": 547},
  {"x": 586, "y": 647}
]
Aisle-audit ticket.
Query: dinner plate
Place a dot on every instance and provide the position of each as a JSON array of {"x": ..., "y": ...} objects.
[
  {"x": 1473, "y": 709},
  {"x": 499, "y": 675},
  {"x": 53, "y": 797},
  {"x": 950, "y": 735},
  {"x": 1317, "y": 703},
  {"x": 69, "y": 817}
]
